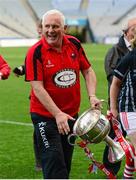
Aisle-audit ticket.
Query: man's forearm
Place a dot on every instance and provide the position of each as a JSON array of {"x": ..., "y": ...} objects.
[
  {"x": 91, "y": 82},
  {"x": 44, "y": 98}
]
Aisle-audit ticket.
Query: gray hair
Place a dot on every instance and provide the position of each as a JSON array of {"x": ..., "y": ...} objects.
[
  {"x": 133, "y": 41},
  {"x": 129, "y": 22},
  {"x": 54, "y": 11}
]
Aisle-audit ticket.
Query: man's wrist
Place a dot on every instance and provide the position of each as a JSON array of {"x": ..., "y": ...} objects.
[
  {"x": 92, "y": 96},
  {"x": 113, "y": 107}
]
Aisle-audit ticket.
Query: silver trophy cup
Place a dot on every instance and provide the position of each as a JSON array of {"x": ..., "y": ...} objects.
[{"x": 94, "y": 127}]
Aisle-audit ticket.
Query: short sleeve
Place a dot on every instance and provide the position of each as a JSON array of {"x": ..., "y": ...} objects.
[
  {"x": 84, "y": 62},
  {"x": 33, "y": 65}
]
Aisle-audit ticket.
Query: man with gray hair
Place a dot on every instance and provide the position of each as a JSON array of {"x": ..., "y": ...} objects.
[
  {"x": 112, "y": 58},
  {"x": 53, "y": 68}
]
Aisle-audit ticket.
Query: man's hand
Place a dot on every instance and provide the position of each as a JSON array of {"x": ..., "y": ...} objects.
[
  {"x": 114, "y": 112},
  {"x": 62, "y": 122},
  {"x": 95, "y": 102}
]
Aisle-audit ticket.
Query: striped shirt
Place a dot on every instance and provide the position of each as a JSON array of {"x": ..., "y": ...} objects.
[{"x": 126, "y": 71}]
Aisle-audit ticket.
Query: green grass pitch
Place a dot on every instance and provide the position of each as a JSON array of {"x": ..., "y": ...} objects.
[{"x": 16, "y": 145}]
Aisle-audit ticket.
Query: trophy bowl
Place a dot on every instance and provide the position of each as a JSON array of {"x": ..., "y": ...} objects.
[{"x": 92, "y": 126}]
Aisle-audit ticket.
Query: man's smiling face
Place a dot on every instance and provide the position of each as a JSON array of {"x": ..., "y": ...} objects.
[{"x": 53, "y": 30}]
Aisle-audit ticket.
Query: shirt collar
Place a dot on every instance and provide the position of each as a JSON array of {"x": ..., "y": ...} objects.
[
  {"x": 128, "y": 45},
  {"x": 66, "y": 42}
]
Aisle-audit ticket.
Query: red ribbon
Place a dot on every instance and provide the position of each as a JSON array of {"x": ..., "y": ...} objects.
[
  {"x": 126, "y": 146},
  {"x": 83, "y": 144}
]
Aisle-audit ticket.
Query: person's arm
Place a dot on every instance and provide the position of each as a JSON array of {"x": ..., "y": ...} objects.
[
  {"x": 4, "y": 69},
  {"x": 48, "y": 103},
  {"x": 90, "y": 79},
  {"x": 120, "y": 73},
  {"x": 114, "y": 92}
]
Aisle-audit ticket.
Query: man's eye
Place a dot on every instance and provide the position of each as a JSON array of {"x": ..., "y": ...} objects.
[
  {"x": 47, "y": 26},
  {"x": 55, "y": 27}
]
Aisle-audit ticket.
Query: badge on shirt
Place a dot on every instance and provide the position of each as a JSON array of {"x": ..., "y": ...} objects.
[{"x": 65, "y": 78}]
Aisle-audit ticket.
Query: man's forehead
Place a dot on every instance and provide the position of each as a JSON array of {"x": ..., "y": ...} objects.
[
  {"x": 52, "y": 16},
  {"x": 132, "y": 23},
  {"x": 52, "y": 19}
]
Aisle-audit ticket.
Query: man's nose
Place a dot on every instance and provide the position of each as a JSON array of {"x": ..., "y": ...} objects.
[{"x": 51, "y": 29}]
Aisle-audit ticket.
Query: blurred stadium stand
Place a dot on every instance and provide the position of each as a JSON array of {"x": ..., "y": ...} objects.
[
  {"x": 90, "y": 20},
  {"x": 103, "y": 14},
  {"x": 16, "y": 19}
]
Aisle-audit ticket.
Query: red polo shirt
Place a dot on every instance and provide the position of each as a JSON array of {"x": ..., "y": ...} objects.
[{"x": 59, "y": 72}]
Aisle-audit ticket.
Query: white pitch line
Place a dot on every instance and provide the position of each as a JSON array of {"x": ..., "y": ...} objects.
[{"x": 15, "y": 123}]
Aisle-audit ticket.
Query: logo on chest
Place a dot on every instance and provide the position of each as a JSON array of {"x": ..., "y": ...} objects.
[
  {"x": 65, "y": 78},
  {"x": 49, "y": 64}
]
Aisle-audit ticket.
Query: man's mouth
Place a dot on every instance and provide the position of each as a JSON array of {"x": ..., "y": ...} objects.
[{"x": 52, "y": 37}]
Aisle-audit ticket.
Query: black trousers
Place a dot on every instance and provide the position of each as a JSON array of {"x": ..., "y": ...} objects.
[
  {"x": 113, "y": 167},
  {"x": 56, "y": 152},
  {"x": 37, "y": 152}
]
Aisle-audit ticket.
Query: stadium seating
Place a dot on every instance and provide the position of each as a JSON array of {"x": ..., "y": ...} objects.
[
  {"x": 15, "y": 17},
  {"x": 103, "y": 13},
  {"x": 16, "y": 21}
]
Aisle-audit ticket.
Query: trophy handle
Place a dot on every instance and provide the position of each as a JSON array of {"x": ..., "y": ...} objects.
[
  {"x": 69, "y": 139},
  {"x": 117, "y": 150},
  {"x": 104, "y": 102}
]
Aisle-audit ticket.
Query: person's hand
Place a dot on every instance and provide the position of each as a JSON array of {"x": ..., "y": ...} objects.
[
  {"x": 114, "y": 112},
  {"x": 62, "y": 122},
  {"x": 1, "y": 75},
  {"x": 95, "y": 102}
]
